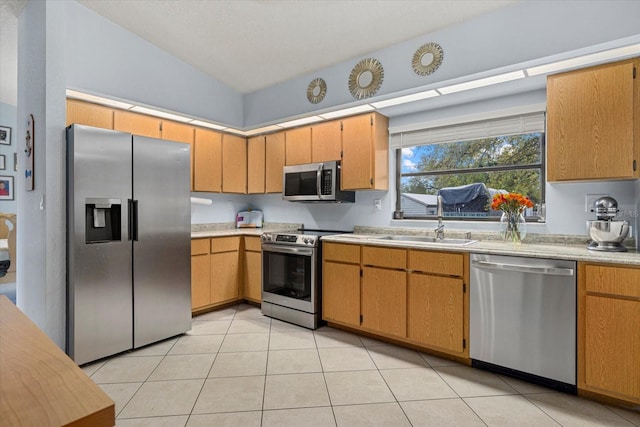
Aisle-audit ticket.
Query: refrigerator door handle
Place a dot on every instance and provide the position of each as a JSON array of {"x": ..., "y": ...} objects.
[{"x": 133, "y": 220}]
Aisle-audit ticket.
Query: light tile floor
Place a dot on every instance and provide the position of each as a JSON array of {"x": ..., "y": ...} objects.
[{"x": 239, "y": 368}]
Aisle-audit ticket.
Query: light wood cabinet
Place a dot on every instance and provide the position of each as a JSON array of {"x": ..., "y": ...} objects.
[
  {"x": 137, "y": 124},
  {"x": 341, "y": 283},
  {"x": 225, "y": 269},
  {"x": 86, "y": 113},
  {"x": 274, "y": 161},
  {"x": 207, "y": 161},
  {"x": 180, "y": 132},
  {"x": 365, "y": 152},
  {"x": 256, "y": 165},
  {"x": 609, "y": 331},
  {"x": 200, "y": 274},
  {"x": 326, "y": 141},
  {"x": 298, "y": 146},
  {"x": 593, "y": 123},
  {"x": 384, "y": 301},
  {"x": 252, "y": 269},
  {"x": 234, "y": 164}
]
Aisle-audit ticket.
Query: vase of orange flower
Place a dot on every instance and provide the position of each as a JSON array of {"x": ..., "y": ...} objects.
[{"x": 512, "y": 223}]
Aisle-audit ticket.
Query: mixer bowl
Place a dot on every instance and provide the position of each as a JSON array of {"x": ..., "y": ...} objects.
[{"x": 606, "y": 232}]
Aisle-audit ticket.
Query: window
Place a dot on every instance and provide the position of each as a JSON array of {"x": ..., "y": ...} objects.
[{"x": 467, "y": 164}]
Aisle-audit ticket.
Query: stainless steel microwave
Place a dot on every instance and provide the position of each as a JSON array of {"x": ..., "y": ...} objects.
[{"x": 314, "y": 182}]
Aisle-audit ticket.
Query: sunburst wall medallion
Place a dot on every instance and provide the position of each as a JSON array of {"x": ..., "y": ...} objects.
[
  {"x": 427, "y": 59},
  {"x": 316, "y": 90},
  {"x": 366, "y": 78}
]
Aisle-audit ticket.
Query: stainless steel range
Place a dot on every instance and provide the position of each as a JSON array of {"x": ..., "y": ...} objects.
[{"x": 292, "y": 276}]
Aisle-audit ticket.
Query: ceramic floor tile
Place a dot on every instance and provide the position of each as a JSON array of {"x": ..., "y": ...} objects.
[
  {"x": 231, "y": 419},
  {"x": 175, "y": 421},
  {"x": 391, "y": 356},
  {"x": 327, "y": 337},
  {"x": 293, "y": 362},
  {"x": 295, "y": 391},
  {"x": 381, "y": 414},
  {"x": 126, "y": 369},
  {"x": 498, "y": 411},
  {"x": 435, "y": 361},
  {"x": 209, "y": 327},
  {"x": 291, "y": 340},
  {"x": 345, "y": 359},
  {"x": 223, "y": 314},
  {"x": 469, "y": 382},
  {"x": 183, "y": 367},
  {"x": 162, "y": 398},
  {"x": 628, "y": 414},
  {"x": 307, "y": 417},
  {"x": 524, "y": 387},
  {"x": 157, "y": 349},
  {"x": 120, "y": 393},
  {"x": 249, "y": 326},
  {"x": 440, "y": 413},
  {"x": 230, "y": 395},
  {"x": 372, "y": 342},
  {"x": 244, "y": 342},
  {"x": 195, "y": 344},
  {"x": 246, "y": 311},
  {"x": 241, "y": 364},
  {"x": 416, "y": 384},
  {"x": 355, "y": 387},
  {"x": 280, "y": 326},
  {"x": 573, "y": 411},
  {"x": 91, "y": 368}
]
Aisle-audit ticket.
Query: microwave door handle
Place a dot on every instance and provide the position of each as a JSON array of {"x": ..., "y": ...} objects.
[{"x": 319, "y": 180}]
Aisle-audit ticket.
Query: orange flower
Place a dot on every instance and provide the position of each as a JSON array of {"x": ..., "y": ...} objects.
[{"x": 511, "y": 203}]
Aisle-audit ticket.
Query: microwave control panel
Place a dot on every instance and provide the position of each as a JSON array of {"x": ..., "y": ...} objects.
[{"x": 327, "y": 182}]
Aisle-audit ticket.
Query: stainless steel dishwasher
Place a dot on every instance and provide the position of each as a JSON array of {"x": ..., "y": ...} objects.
[{"x": 523, "y": 318}]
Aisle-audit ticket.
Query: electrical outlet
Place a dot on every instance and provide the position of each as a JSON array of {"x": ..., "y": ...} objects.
[
  {"x": 590, "y": 201},
  {"x": 377, "y": 205}
]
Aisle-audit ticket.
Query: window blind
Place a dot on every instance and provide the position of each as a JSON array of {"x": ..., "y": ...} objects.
[{"x": 502, "y": 126}]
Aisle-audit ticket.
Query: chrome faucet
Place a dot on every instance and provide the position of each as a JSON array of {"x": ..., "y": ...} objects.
[{"x": 440, "y": 228}]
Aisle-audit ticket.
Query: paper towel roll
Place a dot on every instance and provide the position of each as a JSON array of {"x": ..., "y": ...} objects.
[{"x": 200, "y": 201}]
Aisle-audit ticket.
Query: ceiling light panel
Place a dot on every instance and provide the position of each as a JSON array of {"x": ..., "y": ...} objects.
[
  {"x": 97, "y": 99},
  {"x": 347, "y": 112},
  {"x": 207, "y": 125},
  {"x": 405, "y": 99},
  {"x": 300, "y": 122},
  {"x": 262, "y": 130},
  {"x": 585, "y": 60},
  {"x": 487, "y": 81},
  {"x": 161, "y": 114}
]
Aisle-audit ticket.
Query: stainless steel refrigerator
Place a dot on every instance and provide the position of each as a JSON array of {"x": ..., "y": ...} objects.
[{"x": 128, "y": 241}]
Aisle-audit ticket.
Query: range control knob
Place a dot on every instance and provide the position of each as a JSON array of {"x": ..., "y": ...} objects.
[{"x": 266, "y": 237}]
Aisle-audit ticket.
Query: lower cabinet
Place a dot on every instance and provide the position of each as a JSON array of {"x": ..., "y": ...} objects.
[
  {"x": 252, "y": 269},
  {"x": 384, "y": 301},
  {"x": 341, "y": 283},
  {"x": 609, "y": 331},
  {"x": 200, "y": 273}
]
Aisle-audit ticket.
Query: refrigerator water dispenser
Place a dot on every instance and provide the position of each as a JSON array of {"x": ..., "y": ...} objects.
[{"x": 102, "y": 220}]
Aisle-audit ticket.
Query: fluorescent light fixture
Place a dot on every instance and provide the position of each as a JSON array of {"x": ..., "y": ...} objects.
[
  {"x": 152, "y": 112},
  {"x": 405, "y": 99},
  {"x": 207, "y": 124},
  {"x": 584, "y": 60},
  {"x": 302, "y": 121},
  {"x": 97, "y": 99},
  {"x": 347, "y": 112},
  {"x": 487, "y": 81},
  {"x": 262, "y": 130}
]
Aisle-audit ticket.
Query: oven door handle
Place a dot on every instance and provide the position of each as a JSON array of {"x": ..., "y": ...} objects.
[{"x": 282, "y": 249}]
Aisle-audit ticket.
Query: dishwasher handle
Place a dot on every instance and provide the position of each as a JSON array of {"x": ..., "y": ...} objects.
[{"x": 553, "y": 271}]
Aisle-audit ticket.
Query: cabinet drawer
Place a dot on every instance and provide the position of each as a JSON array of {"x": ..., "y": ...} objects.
[
  {"x": 384, "y": 257},
  {"x": 199, "y": 246},
  {"x": 436, "y": 262},
  {"x": 613, "y": 280},
  {"x": 339, "y": 252},
  {"x": 252, "y": 244},
  {"x": 225, "y": 244}
]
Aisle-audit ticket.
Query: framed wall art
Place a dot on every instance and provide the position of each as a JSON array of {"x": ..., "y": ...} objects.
[
  {"x": 5, "y": 135},
  {"x": 6, "y": 187},
  {"x": 3, "y": 162}
]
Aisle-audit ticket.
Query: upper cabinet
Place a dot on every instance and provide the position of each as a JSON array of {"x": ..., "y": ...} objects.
[
  {"x": 207, "y": 161},
  {"x": 365, "y": 152},
  {"x": 326, "y": 141},
  {"x": 298, "y": 146},
  {"x": 234, "y": 164},
  {"x": 274, "y": 161},
  {"x": 593, "y": 123},
  {"x": 84, "y": 113},
  {"x": 255, "y": 165},
  {"x": 137, "y": 124},
  {"x": 180, "y": 132}
]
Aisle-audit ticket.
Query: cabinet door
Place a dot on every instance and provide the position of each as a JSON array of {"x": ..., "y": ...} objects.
[
  {"x": 365, "y": 156},
  {"x": 274, "y": 161},
  {"x": 341, "y": 293},
  {"x": 137, "y": 124},
  {"x": 207, "y": 161},
  {"x": 85, "y": 113},
  {"x": 180, "y": 132},
  {"x": 298, "y": 146},
  {"x": 234, "y": 164},
  {"x": 200, "y": 281},
  {"x": 224, "y": 276},
  {"x": 256, "y": 165},
  {"x": 612, "y": 346},
  {"x": 326, "y": 141},
  {"x": 384, "y": 301},
  {"x": 590, "y": 119},
  {"x": 253, "y": 276},
  {"x": 436, "y": 311}
]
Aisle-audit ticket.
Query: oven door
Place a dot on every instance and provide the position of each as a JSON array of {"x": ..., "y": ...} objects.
[{"x": 289, "y": 276}]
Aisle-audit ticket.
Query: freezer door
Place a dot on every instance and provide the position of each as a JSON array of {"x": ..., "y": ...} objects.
[
  {"x": 99, "y": 297},
  {"x": 162, "y": 251}
]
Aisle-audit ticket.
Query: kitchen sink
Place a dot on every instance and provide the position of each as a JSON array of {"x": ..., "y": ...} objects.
[{"x": 424, "y": 239}]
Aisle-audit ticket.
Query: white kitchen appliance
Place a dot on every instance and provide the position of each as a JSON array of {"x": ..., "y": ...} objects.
[
  {"x": 249, "y": 219},
  {"x": 606, "y": 233}
]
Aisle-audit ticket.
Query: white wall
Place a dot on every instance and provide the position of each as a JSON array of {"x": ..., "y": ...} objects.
[{"x": 8, "y": 119}]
